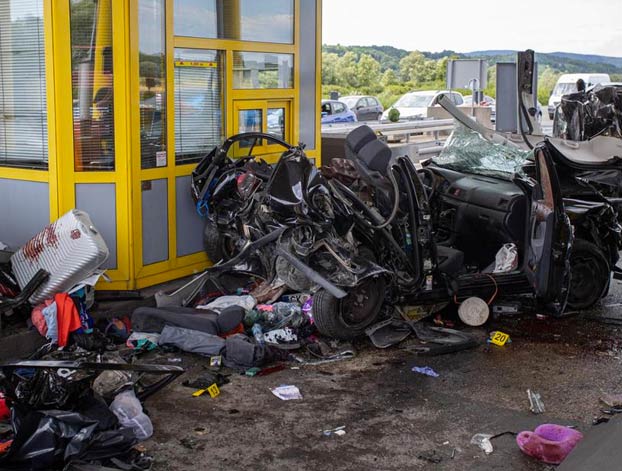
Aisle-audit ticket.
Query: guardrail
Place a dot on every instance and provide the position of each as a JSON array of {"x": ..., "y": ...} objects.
[
  {"x": 419, "y": 139},
  {"x": 401, "y": 128}
]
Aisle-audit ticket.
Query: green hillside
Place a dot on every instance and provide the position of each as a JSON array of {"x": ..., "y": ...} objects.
[{"x": 388, "y": 72}]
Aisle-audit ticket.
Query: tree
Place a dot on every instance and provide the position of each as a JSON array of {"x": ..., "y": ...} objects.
[
  {"x": 348, "y": 70},
  {"x": 415, "y": 67},
  {"x": 368, "y": 70},
  {"x": 388, "y": 78},
  {"x": 330, "y": 75},
  {"x": 546, "y": 82}
]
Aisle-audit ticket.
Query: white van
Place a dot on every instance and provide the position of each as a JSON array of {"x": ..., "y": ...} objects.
[{"x": 567, "y": 83}]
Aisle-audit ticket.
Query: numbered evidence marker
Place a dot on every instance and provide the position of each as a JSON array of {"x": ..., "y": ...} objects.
[
  {"x": 499, "y": 338},
  {"x": 212, "y": 390}
]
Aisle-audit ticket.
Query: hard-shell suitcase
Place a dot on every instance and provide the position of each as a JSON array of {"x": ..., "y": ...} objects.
[{"x": 70, "y": 249}]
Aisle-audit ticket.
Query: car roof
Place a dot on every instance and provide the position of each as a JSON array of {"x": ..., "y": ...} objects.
[{"x": 430, "y": 92}]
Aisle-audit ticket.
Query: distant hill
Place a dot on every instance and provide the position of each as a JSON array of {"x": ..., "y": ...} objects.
[
  {"x": 561, "y": 61},
  {"x": 564, "y": 62}
]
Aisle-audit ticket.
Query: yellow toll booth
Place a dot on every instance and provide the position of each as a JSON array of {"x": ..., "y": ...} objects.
[{"x": 107, "y": 106}]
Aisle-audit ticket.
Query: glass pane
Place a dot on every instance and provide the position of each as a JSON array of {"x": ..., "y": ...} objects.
[
  {"x": 198, "y": 103},
  {"x": 91, "y": 75},
  {"x": 250, "y": 121},
  {"x": 23, "y": 104},
  {"x": 262, "y": 70},
  {"x": 152, "y": 70},
  {"x": 196, "y": 18},
  {"x": 276, "y": 122},
  {"x": 247, "y": 20}
]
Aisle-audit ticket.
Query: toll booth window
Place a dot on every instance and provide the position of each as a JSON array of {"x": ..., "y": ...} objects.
[
  {"x": 198, "y": 103},
  {"x": 269, "y": 21},
  {"x": 23, "y": 104},
  {"x": 152, "y": 83},
  {"x": 92, "y": 85},
  {"x": 250, "y": 120},
  {"x": 276, "y": 122},
  {"x": 254, "y": 70}
]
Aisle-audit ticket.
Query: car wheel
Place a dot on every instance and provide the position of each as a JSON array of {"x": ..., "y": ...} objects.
[
  {"x": 590, "y": 275},
  {"x": 349, "y": 317},
  {"x": 218, "y": 246},
  {"x": 551, "y": 116}
]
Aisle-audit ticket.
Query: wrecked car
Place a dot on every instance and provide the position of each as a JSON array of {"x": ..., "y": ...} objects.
[
  {"x": 384, "y": 233},
  {"x": 590, "y": 183}
]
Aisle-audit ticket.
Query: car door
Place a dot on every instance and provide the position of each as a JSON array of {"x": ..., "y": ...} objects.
[
  {"x": 362, "y": 110},
  {"x": 550, "y": 235}
]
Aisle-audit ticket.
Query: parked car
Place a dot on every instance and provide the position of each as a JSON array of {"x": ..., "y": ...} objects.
[
  {"x": 366, "y": 108},
  {"x": 415, "y": 104},
  {"x": 487, "y": 101},
  {"x": 567, "y": 83},
  {"x": 334, "y": 111}
]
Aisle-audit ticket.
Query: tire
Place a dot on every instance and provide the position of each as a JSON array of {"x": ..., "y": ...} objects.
[
  {"x": 217, "y": 245},
  {"x": 340, "y": 318},
  {"x": 551, "y": 116},
  {"x": 590, "y": 275}
]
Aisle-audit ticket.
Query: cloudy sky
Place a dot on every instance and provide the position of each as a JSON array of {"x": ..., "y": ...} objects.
[{"x": 590, "y": 27}]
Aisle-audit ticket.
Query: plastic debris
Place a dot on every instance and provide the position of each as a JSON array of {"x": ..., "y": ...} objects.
[
  {"x": 425, "y": 370},
  {"x": 339, "y": 431},
  {"x": 549, "y": 443},
  {"x": 506, "y": 259},
  {"x": 482, "y": 440},
  {"x": 287, "y": 392},
  {"x": 129, "y": 411},
  {"x": 535, "y": 402}
]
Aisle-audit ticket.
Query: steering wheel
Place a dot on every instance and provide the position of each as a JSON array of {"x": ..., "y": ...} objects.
[{"x": 429, "y": 181}]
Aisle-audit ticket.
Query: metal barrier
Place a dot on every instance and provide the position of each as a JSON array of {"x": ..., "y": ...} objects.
[{"x": 417, "y": 138}]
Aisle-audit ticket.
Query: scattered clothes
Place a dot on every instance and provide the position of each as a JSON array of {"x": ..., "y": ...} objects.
[
  {"x": 246, "y": 302},
  {"x": 49, "y": 314},
  {"x": 67, "y": 317},
  {"x": 287, "y": 392},
  {"x": 241, "y": 353},
  {"x": 282, "y": 338},
  {"x": 5, "y": 413},
  {"x": 425, "y": 370},
  {"x": 482, "y": 440},
  {"x": 136, "y": 337},
  {"x": 549, "y": 443},
  {"x": 535, "y": 402},
  {"x": 192, "y": 341},
  {"x": 129, "y": 411}
]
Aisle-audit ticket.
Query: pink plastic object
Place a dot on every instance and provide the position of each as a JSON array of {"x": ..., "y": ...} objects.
[{"x": 549, "y": 443}]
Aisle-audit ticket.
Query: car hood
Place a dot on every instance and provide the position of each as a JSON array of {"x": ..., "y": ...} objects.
[{"x": 407, "y": 112}]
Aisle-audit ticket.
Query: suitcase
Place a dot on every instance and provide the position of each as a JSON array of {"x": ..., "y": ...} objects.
[{"x": 70, "y": 249}]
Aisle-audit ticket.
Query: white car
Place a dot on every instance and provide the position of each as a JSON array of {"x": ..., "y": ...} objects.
[
  {"x": 414, "y": 105},
  {"x": 567, "y": 83}
]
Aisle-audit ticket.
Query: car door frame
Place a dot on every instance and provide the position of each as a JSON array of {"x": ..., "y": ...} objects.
[{"x": 549, "y": 234}]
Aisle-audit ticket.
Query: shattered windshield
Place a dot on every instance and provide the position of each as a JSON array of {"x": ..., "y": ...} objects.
[{"x": 467, "y": 151}]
